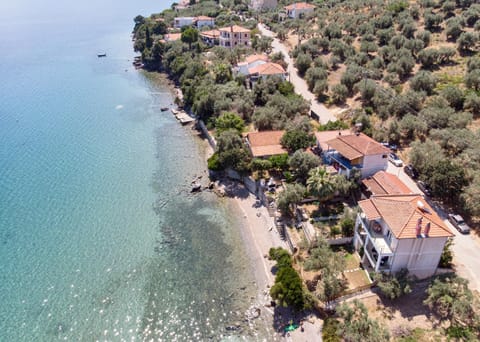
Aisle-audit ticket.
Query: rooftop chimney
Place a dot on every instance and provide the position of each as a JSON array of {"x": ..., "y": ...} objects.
[
  {"x": 418, "y": 228},
  {"x": 427, "y": 229}
]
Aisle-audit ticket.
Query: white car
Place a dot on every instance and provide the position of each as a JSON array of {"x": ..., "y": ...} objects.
[{"x": 393, "y": 158}]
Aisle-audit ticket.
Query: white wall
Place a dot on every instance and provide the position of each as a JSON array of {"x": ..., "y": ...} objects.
[
  {"x": 420, "y": 256},
  {"x": 374, "y": 163}
]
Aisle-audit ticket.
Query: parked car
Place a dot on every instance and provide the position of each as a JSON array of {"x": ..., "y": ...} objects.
[
  {"x": 393, "y": 158},
  {"x": 458, "y": 222},
  {"x": 410, "y": 171},
  {"x": 424, "y": 188},
  {"x": 391, "y": 147}
]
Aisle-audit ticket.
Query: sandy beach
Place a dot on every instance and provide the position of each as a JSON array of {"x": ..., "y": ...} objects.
[{"x": 260, "y": 235}]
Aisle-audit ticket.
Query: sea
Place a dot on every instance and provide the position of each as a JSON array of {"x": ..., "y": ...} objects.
[{"x": 100, "y": 237}]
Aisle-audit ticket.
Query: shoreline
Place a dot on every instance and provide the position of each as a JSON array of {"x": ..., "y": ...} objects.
[{"x": 258, "y": 234}]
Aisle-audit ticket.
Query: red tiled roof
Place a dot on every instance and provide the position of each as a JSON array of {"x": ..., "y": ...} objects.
[
  {"x": 323, "y": 137},
  {"x": 210, "y": 34},
  {"x": 169, "y": 37},
  {"x": 383, "y": 183},
  {"x": 266, "y": 143},
  {"x": 299, "y": 5},
  {"x": 356, "y": 145},
  {"x": 267, "y": 69},
  {"x": 235, "y": 28},
  {"x": 254, "y": 58},
  {"x": 401, "y": 214}
]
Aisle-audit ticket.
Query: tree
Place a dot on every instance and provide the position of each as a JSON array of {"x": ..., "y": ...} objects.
[
  {"x": 472, "y": 79},
  {"x": 467, "y": 41},
  {"x": 446, "y": 178},
  {"x": 231, "y": 151},
  {"x": 454, "y": 96},
  {"x": 320, "y": 183},
  {"x": 355, "y": 325},
  {"x": 296, "y": 139},
  {"x": 394, "y": 286},
  {"x": 302, "y": 63},
  {"x": 228, "y": 121},
  {"x": 339, "y": 93},
  {"x": 447, "y": 255},
  {"x": 288, "y": 288},
  {"x": 423, "y": 81},
  {"x": 451, "y": 300},
  {"x": 148, "y": 38},
  {"x": 472, "y": 104},
  {"x": 302, "y": 162},
  {"x": 289, "y": 198},
  {"x": 189, "y": 36}
]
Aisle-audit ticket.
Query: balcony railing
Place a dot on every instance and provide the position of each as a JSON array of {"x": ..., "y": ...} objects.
[{"x": 379, "y": 241}]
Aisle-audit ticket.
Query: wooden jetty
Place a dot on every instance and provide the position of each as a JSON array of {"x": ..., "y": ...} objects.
[{"x": 182, "y": 116}]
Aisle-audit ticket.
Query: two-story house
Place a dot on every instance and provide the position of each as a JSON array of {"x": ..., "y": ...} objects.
[
  {"x": 346, "y": 152},
  {"x": 210, "y": 37},
  {"x": 299, "y": 9},
  {"x": 180, "y": 22},
  {"x": 234, "y": 35},
  {"x": 400, "y": 231}
]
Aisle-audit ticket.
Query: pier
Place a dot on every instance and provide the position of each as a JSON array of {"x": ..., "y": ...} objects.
[{"x": 182, "y": 116}]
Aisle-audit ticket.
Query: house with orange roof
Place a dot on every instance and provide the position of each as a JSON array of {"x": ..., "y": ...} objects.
[
  {"x": 384, "y": 183},
  {"x": 265, "y": 144},
  {"x": 234, "y": 35},
  {"x": 265, "y": 70},
  {"x": 393, "y": 232},
  {"x": 299, "y": 9},
  {"x": 210, "y": 37},
  {"x": 251, "y": 62},
  {"x": 356, "y": 151}
]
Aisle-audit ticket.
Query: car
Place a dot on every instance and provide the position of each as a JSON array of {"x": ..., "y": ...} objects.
[
  {"x": 410, "y": 171},
  {"x": 458, "y": 222},
  {"x": 391, "y": 147},
  {"x": 393, "y": 158},
  {"x": 424, "y": 188}
]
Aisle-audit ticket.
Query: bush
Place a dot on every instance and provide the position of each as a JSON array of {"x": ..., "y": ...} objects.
[
  {"x": 329, "y": 331},
  {"x": 213, "y": 163},
  {"x": 348, "y": 227},
  {"x": 394, "y": 286}
]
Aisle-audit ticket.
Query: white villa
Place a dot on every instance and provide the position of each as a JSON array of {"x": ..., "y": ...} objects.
[
  {"x": 400, "y": 231},
  {"x": 298, "y": 9}
]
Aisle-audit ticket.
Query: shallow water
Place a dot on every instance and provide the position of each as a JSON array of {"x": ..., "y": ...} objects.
[{"x": 100, "y": 237}]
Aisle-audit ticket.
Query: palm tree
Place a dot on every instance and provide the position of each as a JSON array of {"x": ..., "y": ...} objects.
[{"x": 321, "y": 184}]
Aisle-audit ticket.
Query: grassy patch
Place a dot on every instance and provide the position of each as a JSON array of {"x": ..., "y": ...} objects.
[{"x": 445, "y": 80}]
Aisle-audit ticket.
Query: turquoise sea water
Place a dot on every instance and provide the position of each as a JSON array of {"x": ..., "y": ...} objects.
[{"x": 100, "y": 238}]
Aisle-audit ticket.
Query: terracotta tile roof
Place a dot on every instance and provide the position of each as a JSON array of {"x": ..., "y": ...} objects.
[
  {"x": 356, "y": 145},
  {"x": 266, "y": 143},
  {"x": 254, "y": 58},
  {"x": 299, "y": 5},
  {"x": 267, "y": 69},
  {"x": 235, "y": 28},
  {"x": 169, "y": 37},
  {"x": 401, "y": 214},
  {"x": 210, "y": 34},
  {"x": 383, "y": 183},
  {"x": 323, "y": 137}
]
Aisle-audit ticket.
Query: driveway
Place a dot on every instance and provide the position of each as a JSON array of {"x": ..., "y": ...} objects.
[
  {"x": 299, "y": 83},
  {"x": 466, "y": 248}
]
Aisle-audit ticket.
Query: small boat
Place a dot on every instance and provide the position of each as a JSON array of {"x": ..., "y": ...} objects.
[
  {"x": 164, "y": 109},
  {"x": 101, "y": 55}
]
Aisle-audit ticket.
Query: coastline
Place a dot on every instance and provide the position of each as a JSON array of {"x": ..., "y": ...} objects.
[{"x": 258, "y": 233}]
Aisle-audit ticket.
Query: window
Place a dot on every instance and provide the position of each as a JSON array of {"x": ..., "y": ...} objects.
[{"x": 384, "y": 156}]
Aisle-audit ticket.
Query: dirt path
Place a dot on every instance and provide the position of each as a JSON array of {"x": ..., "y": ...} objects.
[{"x": 299, "y": 83}]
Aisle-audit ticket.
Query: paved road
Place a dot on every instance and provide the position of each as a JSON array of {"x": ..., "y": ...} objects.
[
  {"x": 299, "y": 83},
  {"x": 466, "y": 248}
]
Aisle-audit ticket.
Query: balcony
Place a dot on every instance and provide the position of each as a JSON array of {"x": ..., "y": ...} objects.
[
  {"x": 341, "y": 160},
  {"x": 379, "y": 241}
]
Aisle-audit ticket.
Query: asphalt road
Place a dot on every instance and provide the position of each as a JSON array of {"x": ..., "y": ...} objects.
[
  {"x": 299, "y": 83},
  {"x": 466, "y": 247}
]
